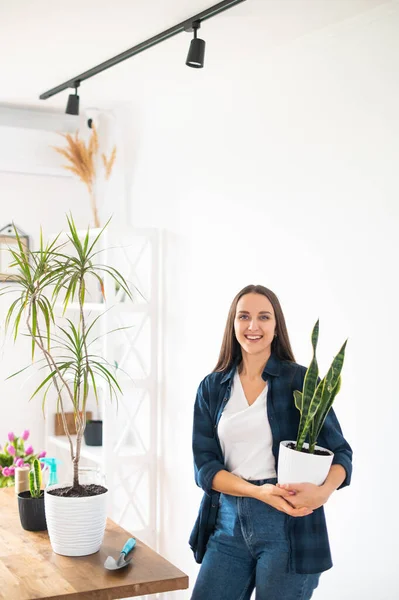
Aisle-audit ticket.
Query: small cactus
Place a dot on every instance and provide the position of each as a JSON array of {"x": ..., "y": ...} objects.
[{"x": 35, "y": 479}]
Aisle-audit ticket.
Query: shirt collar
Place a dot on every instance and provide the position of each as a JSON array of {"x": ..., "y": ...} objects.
[{"x": 272, "y": 367}]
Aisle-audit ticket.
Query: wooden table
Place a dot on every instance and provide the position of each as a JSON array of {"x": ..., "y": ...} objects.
[{"x": 29, "y": 569}]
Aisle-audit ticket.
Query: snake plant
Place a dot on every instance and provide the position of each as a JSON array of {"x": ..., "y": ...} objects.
[{"x": 317, "y": 397}]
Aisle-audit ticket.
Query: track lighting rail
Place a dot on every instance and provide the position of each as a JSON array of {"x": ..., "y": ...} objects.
[{"x": 186, "y": 25}]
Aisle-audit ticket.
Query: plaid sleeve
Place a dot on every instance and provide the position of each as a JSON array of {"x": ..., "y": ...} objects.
[
  {"x": 331, "y": 437},
  {"x": 207, "y": 458}
]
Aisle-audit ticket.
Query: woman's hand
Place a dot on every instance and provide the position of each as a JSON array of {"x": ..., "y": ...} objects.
[
  {"x": 306, "y": 495},
  {"x": 280, "y": 499}
]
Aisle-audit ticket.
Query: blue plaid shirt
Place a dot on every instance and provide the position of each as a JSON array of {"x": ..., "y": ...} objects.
[{"x": 309, "y": 545}]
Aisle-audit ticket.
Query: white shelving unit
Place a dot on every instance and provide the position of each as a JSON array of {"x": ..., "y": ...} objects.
[
  {"x": 128, "y": 456},
  {"x": 92, "y": 453}
]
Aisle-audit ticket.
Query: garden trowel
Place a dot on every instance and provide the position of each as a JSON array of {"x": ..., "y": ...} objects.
[{"x": 122, "y": 561}]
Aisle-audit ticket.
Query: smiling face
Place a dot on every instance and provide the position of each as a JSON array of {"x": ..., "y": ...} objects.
[{"x": 255, "y": 324}]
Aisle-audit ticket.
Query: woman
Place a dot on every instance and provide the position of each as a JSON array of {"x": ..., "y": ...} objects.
[{"x": 250, "y": 532}]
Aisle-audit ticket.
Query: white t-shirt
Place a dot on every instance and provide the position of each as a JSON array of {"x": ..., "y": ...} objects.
[{"x": 245, "y": 435}]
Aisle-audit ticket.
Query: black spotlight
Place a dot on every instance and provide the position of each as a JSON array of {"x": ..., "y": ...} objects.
[
  {"x": 73, "y": 102},
  {"x": 196, "y": 53}
]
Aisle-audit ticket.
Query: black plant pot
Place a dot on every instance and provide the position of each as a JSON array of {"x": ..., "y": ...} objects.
[
  {"x": 31, "y": 512},
  {"x": 94, "y": 433}
]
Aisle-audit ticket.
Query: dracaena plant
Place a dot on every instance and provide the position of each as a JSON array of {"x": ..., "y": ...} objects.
[
  {"x": 50, "y": 276},
  {"x": 317, "y": 397}
]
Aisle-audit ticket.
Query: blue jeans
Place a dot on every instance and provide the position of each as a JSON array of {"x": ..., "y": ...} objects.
[{"x": 248, "y": 550}]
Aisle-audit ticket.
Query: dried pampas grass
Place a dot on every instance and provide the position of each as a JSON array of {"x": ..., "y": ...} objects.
[
  {"x": 83, "y": 160},
  {"x": 108, "y": 164}
]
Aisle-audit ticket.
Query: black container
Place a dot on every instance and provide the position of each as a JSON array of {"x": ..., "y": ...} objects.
[
  {"x": 94, "y": 433},
  {"x": 31, "y": 512}
]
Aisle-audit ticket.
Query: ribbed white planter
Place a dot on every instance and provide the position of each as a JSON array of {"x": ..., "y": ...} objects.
[
  {"x": 75, "y": 525},
  {"x": 300, "y": 467}
]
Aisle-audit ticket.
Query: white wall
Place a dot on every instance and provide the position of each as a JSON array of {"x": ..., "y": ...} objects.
[
  {"x": 31, "y": 201},
  {"x": 279, "y": 167}
]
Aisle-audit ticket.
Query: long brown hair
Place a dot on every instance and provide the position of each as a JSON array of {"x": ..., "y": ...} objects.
[{"x": 231, "y": 349}]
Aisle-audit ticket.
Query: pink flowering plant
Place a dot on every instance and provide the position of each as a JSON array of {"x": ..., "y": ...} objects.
[{"x": 15, "y": 454}]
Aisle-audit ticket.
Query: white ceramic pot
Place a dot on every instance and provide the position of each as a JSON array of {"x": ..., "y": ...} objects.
[
  {"x": 300, "y": 467},
  {"x": 75, "y": 525}
]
